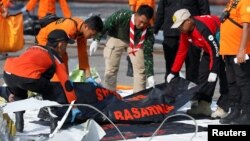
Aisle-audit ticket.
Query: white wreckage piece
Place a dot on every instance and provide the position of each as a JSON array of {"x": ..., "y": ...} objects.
[{"x": 87, "y": 131}]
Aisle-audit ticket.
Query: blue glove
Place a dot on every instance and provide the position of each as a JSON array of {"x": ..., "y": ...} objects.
[
  {"x": 74, "y": 113},
  {"x": 91, "y": 80}
]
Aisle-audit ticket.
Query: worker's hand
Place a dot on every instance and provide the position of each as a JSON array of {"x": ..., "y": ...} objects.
[
  {"x": 212, "y": 77},
  {"x": 170, "y": 77},
  {"x": 93, "y": 47},
  {"x": 74, "y": 113},
  {"x": 11, "y": 98},
  {"x": 151, "y": 81}
]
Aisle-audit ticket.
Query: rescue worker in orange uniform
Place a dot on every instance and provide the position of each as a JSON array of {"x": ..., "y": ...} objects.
[
  {"x": 48, "y": 6},
  {"x": 79, "y": 30},
  {"x": 235, "y": 47},
  {"x": 33, "y": 70}
]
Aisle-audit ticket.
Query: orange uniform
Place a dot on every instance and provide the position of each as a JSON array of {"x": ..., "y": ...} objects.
[
  {"x": 230, "y": 34},
  {"x": 34, "y": 62},
  {"x": 49, "y": 6},
  {"x": 137, "y": 3},
  {"x": 72, "y": 28}
]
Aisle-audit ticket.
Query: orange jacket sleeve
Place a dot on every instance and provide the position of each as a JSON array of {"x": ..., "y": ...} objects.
[
  {"x": 61, "y": 72},
  {"x": 31, "y": 5},
  {"x": 65, "y": 8},
  {"x": 82, "y": 53},
  {"x": 132, "y": 2},
  {"x": 43, "y": 7},
  {"x": 81, "y": 47}
]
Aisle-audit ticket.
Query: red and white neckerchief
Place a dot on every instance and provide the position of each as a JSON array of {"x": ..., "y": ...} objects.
[{"x": 132, "y": 36}]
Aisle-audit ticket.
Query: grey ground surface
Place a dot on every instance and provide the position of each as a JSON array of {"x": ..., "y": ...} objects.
[{"x": 84, "y": 10}]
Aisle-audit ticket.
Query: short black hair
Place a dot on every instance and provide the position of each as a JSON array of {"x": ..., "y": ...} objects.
[
  {"x": 145, "y": 10},
  {"x": 94, "y": 23}
]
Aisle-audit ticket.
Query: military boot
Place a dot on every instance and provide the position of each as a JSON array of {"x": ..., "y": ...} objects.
[{"x": 243, "y": 118}]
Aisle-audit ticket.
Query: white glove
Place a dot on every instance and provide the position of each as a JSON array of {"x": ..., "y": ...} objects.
[
  {"x": 170, "y": 77},
  {"x": 93, "y": 47},
  {"x": 212, "y": 77},
  {"x": 151, "y": 81}
]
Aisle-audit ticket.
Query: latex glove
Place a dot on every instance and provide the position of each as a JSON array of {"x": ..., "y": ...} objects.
[
  {"x": 93, "y": 47},
  {"x": 151, "y": 81},
  {"x": 170, "y": 77},
  {"x": 74, "y": 113},
  {"x": 212, "y": 77},
  {"x": 91, "y": 80}
]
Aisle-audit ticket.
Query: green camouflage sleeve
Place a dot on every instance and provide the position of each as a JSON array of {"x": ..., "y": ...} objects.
[
  {"x": 116, "y": 19},
  {"x": 148, "y": 52}
]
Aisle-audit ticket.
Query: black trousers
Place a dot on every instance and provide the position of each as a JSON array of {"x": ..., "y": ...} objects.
[
  {"x": 192, "y": 63},
  {"x": 238, "y": 81},
  {"x": 223, "y": 102},
  {"x": 19, "y": 86},
  {"x": 170, "y": 48},
  {"x": 206, "y": 89}
]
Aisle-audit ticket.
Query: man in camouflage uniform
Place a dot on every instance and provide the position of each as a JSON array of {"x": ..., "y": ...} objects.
[{"x": 118, "y": 27}]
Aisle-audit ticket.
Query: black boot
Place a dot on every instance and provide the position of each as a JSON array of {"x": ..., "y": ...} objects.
[
  {"x": 130, "y": 68},
  {"x": 19, "y": 121},
  {"x": 243, "y": 118},
  {"x": 235, "y": 112}
]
